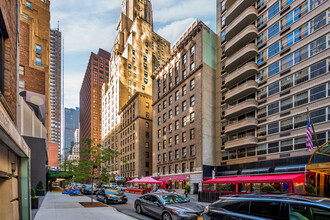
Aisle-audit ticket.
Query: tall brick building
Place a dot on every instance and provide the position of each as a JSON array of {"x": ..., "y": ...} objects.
[
  {"x": 97, "y": 73},
  {"x": 14, "y": 152},
  {"x": 137, "y": 51},
  {"x": 184, "y": 109},
  {"x": 34, "y": 56}
]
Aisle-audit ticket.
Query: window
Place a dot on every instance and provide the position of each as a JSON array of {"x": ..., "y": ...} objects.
[
  {"x": 184, "y": 121},
  {"x": 21, "y": 70},
  {"x": 28, "y": 4},
  {"x": 192, "y": 50},
  {"x": 192, "y": 117},
  {"x": 273, "y": 49},
  {"x": 170, "y": 127},
  {"x": 170, "y": 113},
  {"x": 38, "y": 61},
  {"x": 184, "y": 74},
  {"x": 300, "y": 143},
  {"x": 192, "y": 66},
  {"x": 301, "y": 54},
  {"x": 192, "y": 84},
  {"x": 192, "y": 164},
  {"x": 177, "y": 95},
  {"x": 287, "y": 62},
  {"x": 184, "y": 137},
  {"x": 273, "y": 128},
  {"x": 176, "y": 110},
  {"x": 184, "y": 105},
  {"x": 318, "y": 116},
  {"x": 286, "y": 104},
  {"x": 159, "y": 108},
  {"x": 286, "y": 145},
  {"x": 273, "y": 108},
  {"x": 177, "y": 125},
  {"x": 164, "y": 117},
  {"x": 318, "y": 93},
  {"x": 164, "y": 104},
  {"x": 273, "y": 30},
  {"x": 265, "y": 209},
  {"x": 184, "y": 59},
  {"x": 273, "y": 69},
  {"x": 286, "y": 124},
  {"x": 273, "y": 88},
  {"x": 300, "y": 121},
  {"x": 21, "y": 84},
  {"x": 38, "y": 48},
  {"x": 192, "y": 150},
  {"x": 147, "y": 105},
  {"x": 262, "y": 149},
  {"x": 184, "y": 90},
  {"x": 318, "y": 22},
  {"x": 318, "y": 69},
  {"x": 286, "y": 82},
  {"x": 192, "y": 134},
  {"x": 192, "y": 100},
  {"x": 273, "y": 10},
  {"x": 147, "y": 124},
  {"x": 301, "y": 99},
  {"x": 273, "y": 147},
  {"x": 176, "y": 139},
  {"x": 170, "y": 100}
]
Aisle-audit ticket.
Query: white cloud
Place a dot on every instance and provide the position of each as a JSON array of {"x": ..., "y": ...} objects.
[{"x": 174, "y": 30}]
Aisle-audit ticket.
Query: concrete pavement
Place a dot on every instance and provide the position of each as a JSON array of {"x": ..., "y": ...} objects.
[{"x": 57, "y": 206}]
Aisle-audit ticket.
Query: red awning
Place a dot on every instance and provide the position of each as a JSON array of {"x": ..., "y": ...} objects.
[
  {"x": 179, "y": 177},
  {"x": 295, "y": 178},
  {"x": 165, "y": 178}
]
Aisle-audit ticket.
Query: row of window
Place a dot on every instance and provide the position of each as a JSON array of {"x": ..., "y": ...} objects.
[
  {"x": 318, "y": 116},
  {"x": 184, "y": 168},
  {"x": 275, "y": 147},
  {"x": 176, "y": 124},
  {"x": 169, "y": 155},
  {"x": 170, "y": 140},
  {"x": 295, "y": 79},
  {"x": 302, "y": 98}
]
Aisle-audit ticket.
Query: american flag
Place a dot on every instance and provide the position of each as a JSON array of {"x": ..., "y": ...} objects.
[{"x": 309, "y": 141}]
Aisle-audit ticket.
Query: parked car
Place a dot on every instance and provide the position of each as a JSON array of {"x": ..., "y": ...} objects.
[
  {"x": 111, "y": 196},
  {"x": 168, "y": 206},
  {"x": 269, "y": 207},
  {"x": 88, "y": 190}
]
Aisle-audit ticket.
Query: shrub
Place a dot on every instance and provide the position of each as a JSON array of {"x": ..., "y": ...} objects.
[
  {"x": 33, "y": 194},
  {"x": 40, "y": 186},
  {"x": 187, "y": 188},
  {"x": 268, "y": 189},
  {"x": 310, "y": 189}
]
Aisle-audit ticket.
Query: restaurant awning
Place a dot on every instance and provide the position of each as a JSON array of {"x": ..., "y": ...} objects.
[
  {"x": 179, "y": 177},
  {"x": 165, "y": 178},
  {"x": 294, "y": 178}
]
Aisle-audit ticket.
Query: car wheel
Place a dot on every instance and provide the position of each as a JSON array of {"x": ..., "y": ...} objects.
[
  {"x": 105, "y": 200},
  {"x": 166, "y": 216},
  {"x": 138, "y": 209}
]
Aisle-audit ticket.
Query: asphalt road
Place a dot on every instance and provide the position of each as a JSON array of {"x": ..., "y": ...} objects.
[{"x": 129, "y": 208}]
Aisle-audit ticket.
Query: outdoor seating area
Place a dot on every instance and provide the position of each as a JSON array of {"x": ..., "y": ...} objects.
[{"x": 145, "y": 185}]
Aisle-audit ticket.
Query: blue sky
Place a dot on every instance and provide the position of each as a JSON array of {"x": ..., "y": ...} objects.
[{"x": 90, "y": 24}]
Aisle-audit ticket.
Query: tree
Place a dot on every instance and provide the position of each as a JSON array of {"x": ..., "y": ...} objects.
[{"x": 92, "y": 163}]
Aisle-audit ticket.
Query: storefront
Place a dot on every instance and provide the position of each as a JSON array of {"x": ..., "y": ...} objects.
[{"x": 319, "y": 163}]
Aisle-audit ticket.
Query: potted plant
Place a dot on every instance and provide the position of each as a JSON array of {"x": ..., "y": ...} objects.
[
  {"x": 187, "y": 190},
  {"x": 34, "y": 199},
  {"x": 40, "y": 189}
]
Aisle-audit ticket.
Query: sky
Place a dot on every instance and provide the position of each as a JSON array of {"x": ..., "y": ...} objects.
[{"x": 88, "y": 25}]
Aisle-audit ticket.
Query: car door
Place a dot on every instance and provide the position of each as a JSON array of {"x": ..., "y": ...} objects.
[
  {"x": 147, "y": 204},
  {"x": 307, "y": 211},
  {"x": 155, "y": 206},
  {"x": 266, "y": 209}
]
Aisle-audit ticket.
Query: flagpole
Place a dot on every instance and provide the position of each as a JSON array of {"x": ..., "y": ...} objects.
[{"x": 310, "y": 119}]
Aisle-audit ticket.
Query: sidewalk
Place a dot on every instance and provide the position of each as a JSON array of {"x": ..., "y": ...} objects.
[{"x": 64, "y": 207}]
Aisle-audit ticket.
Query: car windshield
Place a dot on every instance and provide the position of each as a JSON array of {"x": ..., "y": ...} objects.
[
  {"x": 111, "y": 192},
  {"x": 168, "y": 199}
]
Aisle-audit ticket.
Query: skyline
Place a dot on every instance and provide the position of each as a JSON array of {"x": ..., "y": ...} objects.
[{"x": 97, "y": 27}]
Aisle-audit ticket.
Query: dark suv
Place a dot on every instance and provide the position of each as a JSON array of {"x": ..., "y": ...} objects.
[{"x": 289, "y": 207}]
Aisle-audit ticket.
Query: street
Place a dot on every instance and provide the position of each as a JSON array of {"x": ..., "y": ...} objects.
[{"x": 129, "y": 208}]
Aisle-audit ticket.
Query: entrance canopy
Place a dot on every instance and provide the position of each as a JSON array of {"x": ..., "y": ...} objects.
[
  {"x": 275, "y": 178},
  {"x": 320, "y": 159}
]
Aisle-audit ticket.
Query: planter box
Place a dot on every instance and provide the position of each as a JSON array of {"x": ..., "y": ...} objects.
[
  {"x": 40, "y": 193},
  {"x": 35, "y": 203}
]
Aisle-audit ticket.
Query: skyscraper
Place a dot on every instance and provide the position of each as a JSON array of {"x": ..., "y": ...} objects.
[
  {"x": 71, "y": 124},
  {"x": 137, "y": 51},
  {"x": 55, "y": 86},
  {"x": 273, "y": 64},
  {"x": 97, "y": 73}
]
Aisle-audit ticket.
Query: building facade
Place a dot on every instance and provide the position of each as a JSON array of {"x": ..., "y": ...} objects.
[
  {"x": 184, "y": 109},
  {"x": 135, "y": 137},
  {"x": 71, "y": 125},
  {"x": 34, "y": 64},
  {"x": 74, "y": 156},
  {"x": 97, "y": 74},
  {"x": 14, "y": 152},
  {"x": 56, "y": 86},
  {"x": 136, "y": 53},
  {"x": 273, "y": 65}
]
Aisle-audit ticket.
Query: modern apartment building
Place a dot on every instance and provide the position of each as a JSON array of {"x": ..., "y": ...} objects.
[
  {"x": 273, "y": 64},
  {"x": 14, "y": 152},
  {"x": 136, "y": 53},
  {"x": 97, "y": 73},
  {"x": 184, "y": 109},
  {"x": 135, "y": 136},
  {"x": 71, "y": 125},
  {"x": 34, "y": 64},
  {"x": 56, "y": 86}
]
